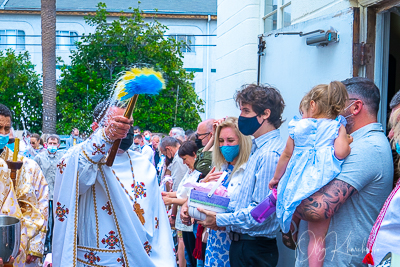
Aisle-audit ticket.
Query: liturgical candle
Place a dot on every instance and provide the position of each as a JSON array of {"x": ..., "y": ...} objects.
[{"x": 16, "y": 150}]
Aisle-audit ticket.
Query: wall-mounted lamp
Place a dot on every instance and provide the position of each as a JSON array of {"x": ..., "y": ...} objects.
[{"x": 323, "y": 39}]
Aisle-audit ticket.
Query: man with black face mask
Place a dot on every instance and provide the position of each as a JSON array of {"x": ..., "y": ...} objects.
[
  {"x": 253, "y": 243},
  {"x": 205, "y": 143},
  {"x": 114, "y": 213}
]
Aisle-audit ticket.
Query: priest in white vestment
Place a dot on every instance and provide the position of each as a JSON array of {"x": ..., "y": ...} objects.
[{"x": 109, "y": 216}]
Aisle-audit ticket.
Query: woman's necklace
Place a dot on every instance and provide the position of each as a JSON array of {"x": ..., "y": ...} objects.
[{"x": 136, "y": 206}]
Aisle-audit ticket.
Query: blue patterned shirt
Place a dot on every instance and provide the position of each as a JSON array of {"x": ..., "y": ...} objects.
[{"x": 260, "y": 170}]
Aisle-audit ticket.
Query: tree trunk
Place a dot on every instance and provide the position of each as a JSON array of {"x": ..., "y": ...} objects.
[{"x": 48, "y": 15}]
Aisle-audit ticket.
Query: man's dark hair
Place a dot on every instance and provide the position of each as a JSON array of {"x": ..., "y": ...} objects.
[
  {"x": 5, "y": 111},
  {"x": 365, "y": 90},
  {"x": 168, "y": 141},
  {"x": 188, "y": 148},
  {"x": 262, "y": 97},
  {"x": 36, "y": 136},
  {"x": 136, "y": 128},
  {"x": 139, "y": 136},
  {"x": 395, "y": 100}
]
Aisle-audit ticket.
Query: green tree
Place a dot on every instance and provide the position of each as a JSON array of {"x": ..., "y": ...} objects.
[
  {"x": 20, "y": 90},
  {"x": 114, "y": 47}
]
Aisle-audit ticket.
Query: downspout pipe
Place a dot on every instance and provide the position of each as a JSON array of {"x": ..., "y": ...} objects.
[
  {"x": 260, "y": 53},
  {"x": 208, "y": 67}
]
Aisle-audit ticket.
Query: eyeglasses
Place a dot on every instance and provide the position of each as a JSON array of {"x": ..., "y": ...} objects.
[{"x": 205, "y": 135}]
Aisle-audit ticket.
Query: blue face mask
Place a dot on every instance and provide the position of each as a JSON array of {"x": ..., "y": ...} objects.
[
  {"x": 4, "y": 140},
  {"x": 229, "y": 152},
  {"x": 10, "y": 146},
  {"x": 147, "y": 137},
  {"x": 248, "y": 126},
  {"x": 52, "y": 149},
  {"x": 398, "y": 148}
]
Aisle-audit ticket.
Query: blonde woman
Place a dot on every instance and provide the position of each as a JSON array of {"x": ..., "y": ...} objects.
[{"x": 231, "y": 152}]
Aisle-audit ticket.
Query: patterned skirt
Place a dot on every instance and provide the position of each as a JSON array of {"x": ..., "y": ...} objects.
[{"x": 217, "y": 252}]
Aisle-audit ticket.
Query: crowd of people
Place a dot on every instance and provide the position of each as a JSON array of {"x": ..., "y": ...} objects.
[{"x": 329, "y": 190}]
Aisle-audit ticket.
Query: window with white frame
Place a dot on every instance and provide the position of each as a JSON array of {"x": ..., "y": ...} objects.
[
  {"x": 188, "y": 39},
  {"x": 277, "y": 14},
  {"x": 14, "y": 39},
  {"x": 66, "y": 40}
]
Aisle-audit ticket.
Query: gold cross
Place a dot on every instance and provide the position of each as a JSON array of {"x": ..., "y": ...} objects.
[{"x": 139, "y": 212}]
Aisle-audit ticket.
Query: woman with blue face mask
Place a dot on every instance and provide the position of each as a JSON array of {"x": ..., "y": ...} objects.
[{"x": 231, "y": 152}]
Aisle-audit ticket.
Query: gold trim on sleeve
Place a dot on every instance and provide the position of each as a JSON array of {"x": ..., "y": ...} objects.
[
  {"x": 105, "y": 137},
  {"x": 87, "y": 157}
]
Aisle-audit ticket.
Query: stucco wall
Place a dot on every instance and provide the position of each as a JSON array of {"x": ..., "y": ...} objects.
[
  {"x": 294, "y": 67},
  {"x": 238, "y": 27},
  {"x": 303, "y": 10}
]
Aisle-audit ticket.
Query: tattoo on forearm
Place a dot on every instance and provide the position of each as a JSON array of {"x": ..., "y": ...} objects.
[{"x": 327, "y": 201}]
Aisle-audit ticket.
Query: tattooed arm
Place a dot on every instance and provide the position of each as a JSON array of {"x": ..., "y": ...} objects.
[{"x": 325, "y": 202}]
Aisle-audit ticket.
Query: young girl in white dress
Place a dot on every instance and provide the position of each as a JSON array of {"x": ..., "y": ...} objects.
[{"x": 313, "y": 156}]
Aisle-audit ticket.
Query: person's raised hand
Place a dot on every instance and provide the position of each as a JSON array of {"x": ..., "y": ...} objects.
[
  {"x": 118, "y": 127},
  {"x": 216, "y": 123},
  {"x": 212, "y": 176}
]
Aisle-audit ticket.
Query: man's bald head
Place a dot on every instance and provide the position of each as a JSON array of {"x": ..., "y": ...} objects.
[{"x": 204, "y": 131}]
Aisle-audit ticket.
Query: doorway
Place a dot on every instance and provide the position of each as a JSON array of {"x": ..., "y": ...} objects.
[
  {"x": 394, "y": 55},
  {"x": 387, "y": 60}
]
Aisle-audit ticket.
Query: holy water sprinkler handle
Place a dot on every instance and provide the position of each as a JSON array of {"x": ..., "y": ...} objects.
[{"x": 114, "y": 148}]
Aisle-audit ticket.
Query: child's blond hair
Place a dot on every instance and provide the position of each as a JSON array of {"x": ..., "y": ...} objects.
[{"x": 329, "y": 98}]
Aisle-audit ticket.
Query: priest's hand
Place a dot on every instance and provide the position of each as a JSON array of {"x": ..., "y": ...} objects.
[
  {"x": 31, "y": 258},
  {"x": 10, "y": 261},
  {"x": 211, "y": 220},
  {"x": 118, "y": 127}
]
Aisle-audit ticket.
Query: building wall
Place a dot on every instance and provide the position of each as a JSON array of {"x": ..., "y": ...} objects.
[
  {"x": 303, "y": 10},
  {"x": 236, "y": 60},
  {"x": 289, "y": 64},
  {"x": 195, "y": 61}
]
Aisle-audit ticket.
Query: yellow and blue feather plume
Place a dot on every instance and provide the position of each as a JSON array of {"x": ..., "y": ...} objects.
[{"x": 139, "y": 81}]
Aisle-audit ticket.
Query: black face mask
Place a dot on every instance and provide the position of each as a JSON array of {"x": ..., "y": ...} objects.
[
  {"x": 199, "y": 143},
  {"x": 249, "y": 126},
  {"x": 127, "y": 141}
]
